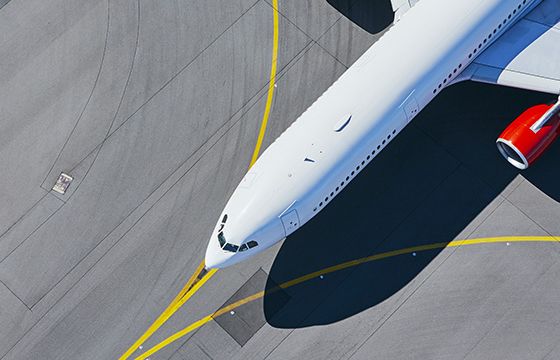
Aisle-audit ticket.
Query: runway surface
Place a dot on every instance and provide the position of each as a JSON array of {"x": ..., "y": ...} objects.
[{"x": 155, "y": 109}]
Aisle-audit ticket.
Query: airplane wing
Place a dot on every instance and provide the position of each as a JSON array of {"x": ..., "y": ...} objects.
[
  {"x": 401, "y": 6},
  {"x": 527, "y": 56}
]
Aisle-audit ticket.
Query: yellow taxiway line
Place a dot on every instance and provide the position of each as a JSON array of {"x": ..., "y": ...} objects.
[
  {"x": 271, "y": 85},
  {"x": 341, "y": 266},
  {"x": 191, "y": 287}
]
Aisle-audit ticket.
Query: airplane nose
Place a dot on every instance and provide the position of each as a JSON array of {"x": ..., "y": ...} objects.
[
  {"x": 217, "y": 261},
  {"x": 212, "y": 261},
  {"x": 215, "y": 257}
]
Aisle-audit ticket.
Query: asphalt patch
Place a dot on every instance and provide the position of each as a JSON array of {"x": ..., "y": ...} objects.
[{"x": 244, "y": 322}]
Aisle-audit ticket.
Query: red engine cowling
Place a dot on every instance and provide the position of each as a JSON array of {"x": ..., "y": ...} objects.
[{"x": 520, "y": 145}]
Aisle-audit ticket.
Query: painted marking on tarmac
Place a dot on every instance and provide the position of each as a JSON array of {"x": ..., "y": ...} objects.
[
  {"x": 192, "y": 286},
  {"x": 271, "y": 86},
  {"x": 342, "y": 266}
]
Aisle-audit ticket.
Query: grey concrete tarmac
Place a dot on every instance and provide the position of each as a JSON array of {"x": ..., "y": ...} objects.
[{"x": 154, "y": 109}]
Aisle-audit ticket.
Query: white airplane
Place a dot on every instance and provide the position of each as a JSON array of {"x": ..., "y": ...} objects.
[{"x": 433, "y": 44}]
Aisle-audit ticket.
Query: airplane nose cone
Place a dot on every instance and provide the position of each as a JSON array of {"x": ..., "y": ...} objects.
[
  {"x": 212, "y": 261},
  {"x": 215, "y": 257}
]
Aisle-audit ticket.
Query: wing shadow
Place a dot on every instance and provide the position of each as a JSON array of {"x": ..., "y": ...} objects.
[
  {"x": 426, "y": 187},
  {"x": 371, "y": 16}
]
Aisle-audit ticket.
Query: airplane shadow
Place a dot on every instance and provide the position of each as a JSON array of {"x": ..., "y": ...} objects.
[
  {"x": 371, "y": 16},
  {"x": 426, "y": 187}
]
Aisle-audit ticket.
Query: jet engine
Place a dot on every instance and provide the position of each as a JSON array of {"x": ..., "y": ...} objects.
[{"x": 528, "y": 136}]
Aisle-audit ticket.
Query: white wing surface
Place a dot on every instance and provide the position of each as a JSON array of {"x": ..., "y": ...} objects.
[
  {"x": 401, "y": 6},
  {"x": 527, "y": 56}
]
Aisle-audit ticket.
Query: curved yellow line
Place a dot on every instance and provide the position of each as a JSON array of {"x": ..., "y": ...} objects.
[
  {"x": 187, "y": 292},
  {"x": 271, "y": 84},
  {"x": 344, "y": 265}
]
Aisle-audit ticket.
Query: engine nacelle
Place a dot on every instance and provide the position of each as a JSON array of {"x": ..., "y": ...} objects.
[{"x": 520, "y": 144}]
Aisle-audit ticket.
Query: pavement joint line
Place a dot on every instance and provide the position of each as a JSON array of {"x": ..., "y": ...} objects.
[
  {"x": 173, "y": 77},
  {"x": 381, "y": 33},
  {"x": 115, "y": 242},
  {"x": 465, "y": 166},
  {"x": 202, "y": 275},
  {"x": 453, "y": 171},
  {"x": 391, "y": 232},
  {"x": 337, "y": 21},
  {"x": 33, "y": 206},
  {"x": 523, "y": 180},
  {"x": 4, "y": 3},
  {"x": 195, "y": 282},
  {"x": 346, "y": 265},
  {"x": 80, "y": 116},
  {"x": 500, "y": 196},
  {"x": 204, "y": 351},
  {"x": 297, "y": 27},
  {"x": 17, "y": 297},
  {"x": 552, "y": 348},
  {"x": 331, "y": 55},
  {"x": 312, "y": 41},
  {"x": 527, "y": 216},
  {"x": 506, "y": 239},
  {"x": 97, "y": 149},
  {"x": 433, "y": 140},
  {"x": 111, "y": 126},
  {"x": 36, "y": 228},
  {"x": 271, "y": 85},
  {"x": 390, "y": 314},
  {"x": 525, "y": 294},
  {"x": 256, "y": 97},
  {"x": 506, "y": 199},
  {"x": 19, "y": 219},
  {"x": 487, "y": 216},
  {"x": 63, "y": 201},
  {"x": 201, "y": 147},
  {"x": 242, "y": 110},
  {"x": 175, "y": 182}
]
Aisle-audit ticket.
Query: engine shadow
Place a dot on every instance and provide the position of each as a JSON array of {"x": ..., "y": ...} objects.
[
  {"x": 371, "y": 16},
  {"x": 427, "y": 187}
]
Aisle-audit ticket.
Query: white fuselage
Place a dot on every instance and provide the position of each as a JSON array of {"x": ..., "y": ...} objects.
[{"x": 332, "y": 141}]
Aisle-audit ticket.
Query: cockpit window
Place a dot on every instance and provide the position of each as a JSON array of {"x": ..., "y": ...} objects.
[
  {"x": 221, "y": 239},
  {"x": 230, "y": 247},
  {"x": 224, "y": 219},
  {"x": 252, "y": 244},
  {"x": 225, "y": 245},
  {"x": 234, "y": 248}
]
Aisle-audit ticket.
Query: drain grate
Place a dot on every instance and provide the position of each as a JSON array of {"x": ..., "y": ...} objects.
[{"x": 62, "y": 183}]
